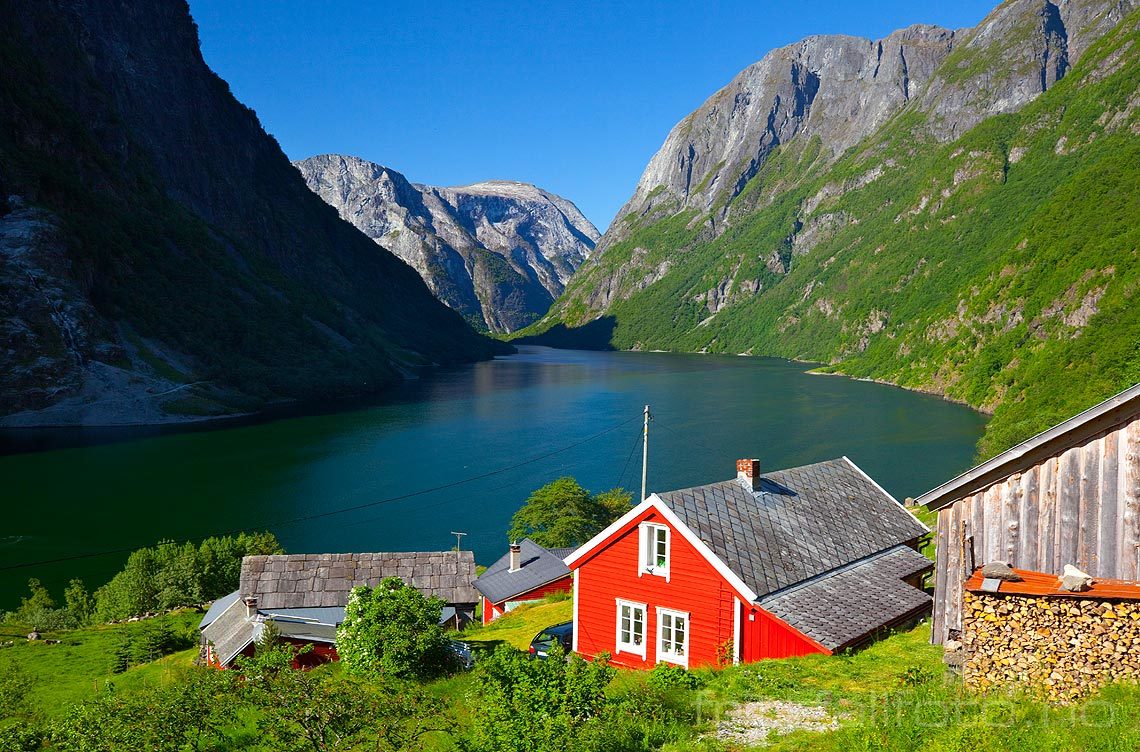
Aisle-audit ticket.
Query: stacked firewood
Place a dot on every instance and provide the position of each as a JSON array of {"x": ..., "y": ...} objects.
[{"x": 1063, "y": 648}]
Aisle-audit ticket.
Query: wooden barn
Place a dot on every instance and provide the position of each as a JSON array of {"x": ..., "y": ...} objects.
[
  {"x": 812, "y": 559},
  {"x": 1070, "y": 495},
  {"x": 526, "y": 573},
  {"x": 304, "y": 596}
]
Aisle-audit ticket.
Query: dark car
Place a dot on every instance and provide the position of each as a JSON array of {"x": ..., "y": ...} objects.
[
  {"x": 460, "y": 654},
  {"x": 543, "y": 641}
]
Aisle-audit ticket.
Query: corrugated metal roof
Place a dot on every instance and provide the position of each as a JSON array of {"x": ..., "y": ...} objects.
[
  {"x": 1043, "y": 584},
  {"x": 802, "y": 522},
  {"x": 323, "y": 580},
  {"x": 230, "y": 632},
  {"x": 217, "y": 608},
  {"x": 538, "y": 566},
  {"x": 847, "y": 606},
  {"x": 327, "y": 615}
]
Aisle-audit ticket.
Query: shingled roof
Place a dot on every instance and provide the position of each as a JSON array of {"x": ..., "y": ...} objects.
[
  {"x": 323, "y": 580},
  {"x": 537, "y": 567},
  {"x": 798, "y": 524},
  {"x": 844, "y": 607}
]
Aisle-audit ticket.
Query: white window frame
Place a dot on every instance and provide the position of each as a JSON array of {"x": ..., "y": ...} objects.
[
  {"x": 672, "y": 656},
  {"x": 629, "y": 647},
  {"x": 648, "y": 537}
]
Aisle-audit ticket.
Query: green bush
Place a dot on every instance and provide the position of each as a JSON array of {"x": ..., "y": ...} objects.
[{"x": 392, "y": 629}]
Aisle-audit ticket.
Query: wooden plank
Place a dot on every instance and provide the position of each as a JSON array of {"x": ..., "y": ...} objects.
[
  {"x": 960, "y": 530},
  {"x": 995, "y": 524},
  {"x": 1088, "y": 524},
  {"x": 1130, "y": 494},
  {"x": 1108, "y": 506},
  {"x": 977, "y": 507},
  {"x": 1046, "y": 561},
  {"x": 1029, "y": 514},
  {"x": 942, "y": 556},
  {"x": 1068, "y": 508},
  {"x": 1010, "y": 517}
]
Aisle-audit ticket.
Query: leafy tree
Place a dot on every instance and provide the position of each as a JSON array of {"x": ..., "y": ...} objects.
[
  {"x": 532, "y": 706},
  {"x": 392, "y": 629},
  {"x": 39, "y": 610},
  {"x": 79, "y": 602},
  {"x": 562, "y": 513},
  {"x": 171, "y": 575}
]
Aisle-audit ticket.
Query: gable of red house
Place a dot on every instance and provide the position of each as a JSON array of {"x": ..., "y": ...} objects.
[{"x": 651, "y": 588}]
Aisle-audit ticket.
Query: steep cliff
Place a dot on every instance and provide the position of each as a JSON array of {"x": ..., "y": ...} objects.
[
  {"x": 947, "y": 210},
  {"x": 498, "y": 252},
  {"x": 159, "y": 256}
]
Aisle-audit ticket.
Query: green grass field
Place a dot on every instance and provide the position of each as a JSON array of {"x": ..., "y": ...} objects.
[{"x": 80, "y": 666}]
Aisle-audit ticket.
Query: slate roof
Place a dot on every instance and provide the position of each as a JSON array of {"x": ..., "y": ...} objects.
[
  {"x": 230, "y": 632},
  {"x": 802, "y": 522},
  {"x": 538, "y": 566},
  {"x": 842, "y": 608},
  {"x": 323, "y": 580},
  {"x": 217, "y": 608}
]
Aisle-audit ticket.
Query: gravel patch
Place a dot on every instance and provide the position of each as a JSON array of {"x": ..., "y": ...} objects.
[{"x": 752, "y": 722}]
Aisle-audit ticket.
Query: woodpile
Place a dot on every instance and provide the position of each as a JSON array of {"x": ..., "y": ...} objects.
[{"x": 1062, "y": 648}]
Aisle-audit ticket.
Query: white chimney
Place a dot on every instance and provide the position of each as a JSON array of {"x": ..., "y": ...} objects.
[
  {"x": 250, "y": 607},
  {"x": 748, "y": 471},
  {"x": 516, "y": 557}
]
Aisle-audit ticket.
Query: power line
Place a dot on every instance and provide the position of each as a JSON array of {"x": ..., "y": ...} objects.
[
  {"x": 632, "y": 450},
  {"x": 333, "y": 512}
]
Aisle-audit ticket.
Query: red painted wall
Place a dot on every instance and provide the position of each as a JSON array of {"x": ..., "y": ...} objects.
[
  {"x": 766, "y": 636},
  {"x": 494, "y": 611},
  {"x": 611, "y": 572}
]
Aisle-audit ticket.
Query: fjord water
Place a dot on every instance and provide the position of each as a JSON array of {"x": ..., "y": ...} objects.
[{"x": 293, "y": 475}]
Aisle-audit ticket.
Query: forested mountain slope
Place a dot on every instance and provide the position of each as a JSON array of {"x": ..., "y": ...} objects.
[
  {"x": 952, "y": 211},
  {"x": 499, "y": 251},
  {"x": 153, "y": 237}
]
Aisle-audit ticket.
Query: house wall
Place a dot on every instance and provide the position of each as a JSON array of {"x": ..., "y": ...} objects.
[
  {"x": 492, "y": 611},
  {"x": 766, "y": 636},
  {"x": 1079, "y": 507},
  {"x": 612, "y": 572}
]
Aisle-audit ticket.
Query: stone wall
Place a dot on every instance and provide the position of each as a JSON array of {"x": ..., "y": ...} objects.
[{"x": 1062, "y": 648}]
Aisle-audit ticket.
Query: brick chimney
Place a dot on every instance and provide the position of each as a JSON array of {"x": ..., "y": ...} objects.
[
  {"x": 516, "y": 557},
  {"x": 748, "y": 471},
  {"x": 250, "y": 606}
]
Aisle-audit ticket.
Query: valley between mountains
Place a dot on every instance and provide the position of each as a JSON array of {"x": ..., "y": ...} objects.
[{"x": 952, "y": 211}]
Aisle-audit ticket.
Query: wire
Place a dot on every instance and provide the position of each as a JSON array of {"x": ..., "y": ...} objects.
[
  {"x": 628, "y": 459},
  {"x": 333, "y": 512}
]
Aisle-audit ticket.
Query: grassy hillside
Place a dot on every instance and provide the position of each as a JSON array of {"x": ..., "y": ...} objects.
[{"x": 999, "y": 269}]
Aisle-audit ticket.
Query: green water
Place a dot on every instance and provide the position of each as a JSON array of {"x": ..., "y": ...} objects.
[{"x": 119, "y": 490}]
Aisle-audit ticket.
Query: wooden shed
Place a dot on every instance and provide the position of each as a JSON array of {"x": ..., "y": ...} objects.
[{"x": 1070, "y": 495}]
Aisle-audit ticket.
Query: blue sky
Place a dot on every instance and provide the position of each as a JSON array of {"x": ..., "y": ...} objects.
[{"x": 574, "y": 97}]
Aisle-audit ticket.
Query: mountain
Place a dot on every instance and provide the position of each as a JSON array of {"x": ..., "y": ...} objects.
[
  {"x": 498, "y": 252},
  {"x": 950, "y": 211},
  {"x": 160, "y": 258}
]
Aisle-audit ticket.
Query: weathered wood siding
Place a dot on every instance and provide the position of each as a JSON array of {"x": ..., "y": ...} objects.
[{"x": 1080, "y": 507}]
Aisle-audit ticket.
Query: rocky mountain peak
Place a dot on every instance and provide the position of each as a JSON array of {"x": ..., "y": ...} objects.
[{"x": 497, "y": 251}]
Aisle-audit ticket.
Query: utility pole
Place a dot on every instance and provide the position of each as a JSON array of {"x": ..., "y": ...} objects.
[
  {"x": 458, "y": 541},
  {"x": 645, "y": 452}
]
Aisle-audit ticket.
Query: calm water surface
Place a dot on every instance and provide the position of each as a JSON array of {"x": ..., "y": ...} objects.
[{"x": 449, "y": 426}]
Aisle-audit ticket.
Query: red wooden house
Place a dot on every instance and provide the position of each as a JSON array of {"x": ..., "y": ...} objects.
[
  {"x": 526, "y": 573},
  {"x": 813, "y": 559}
]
